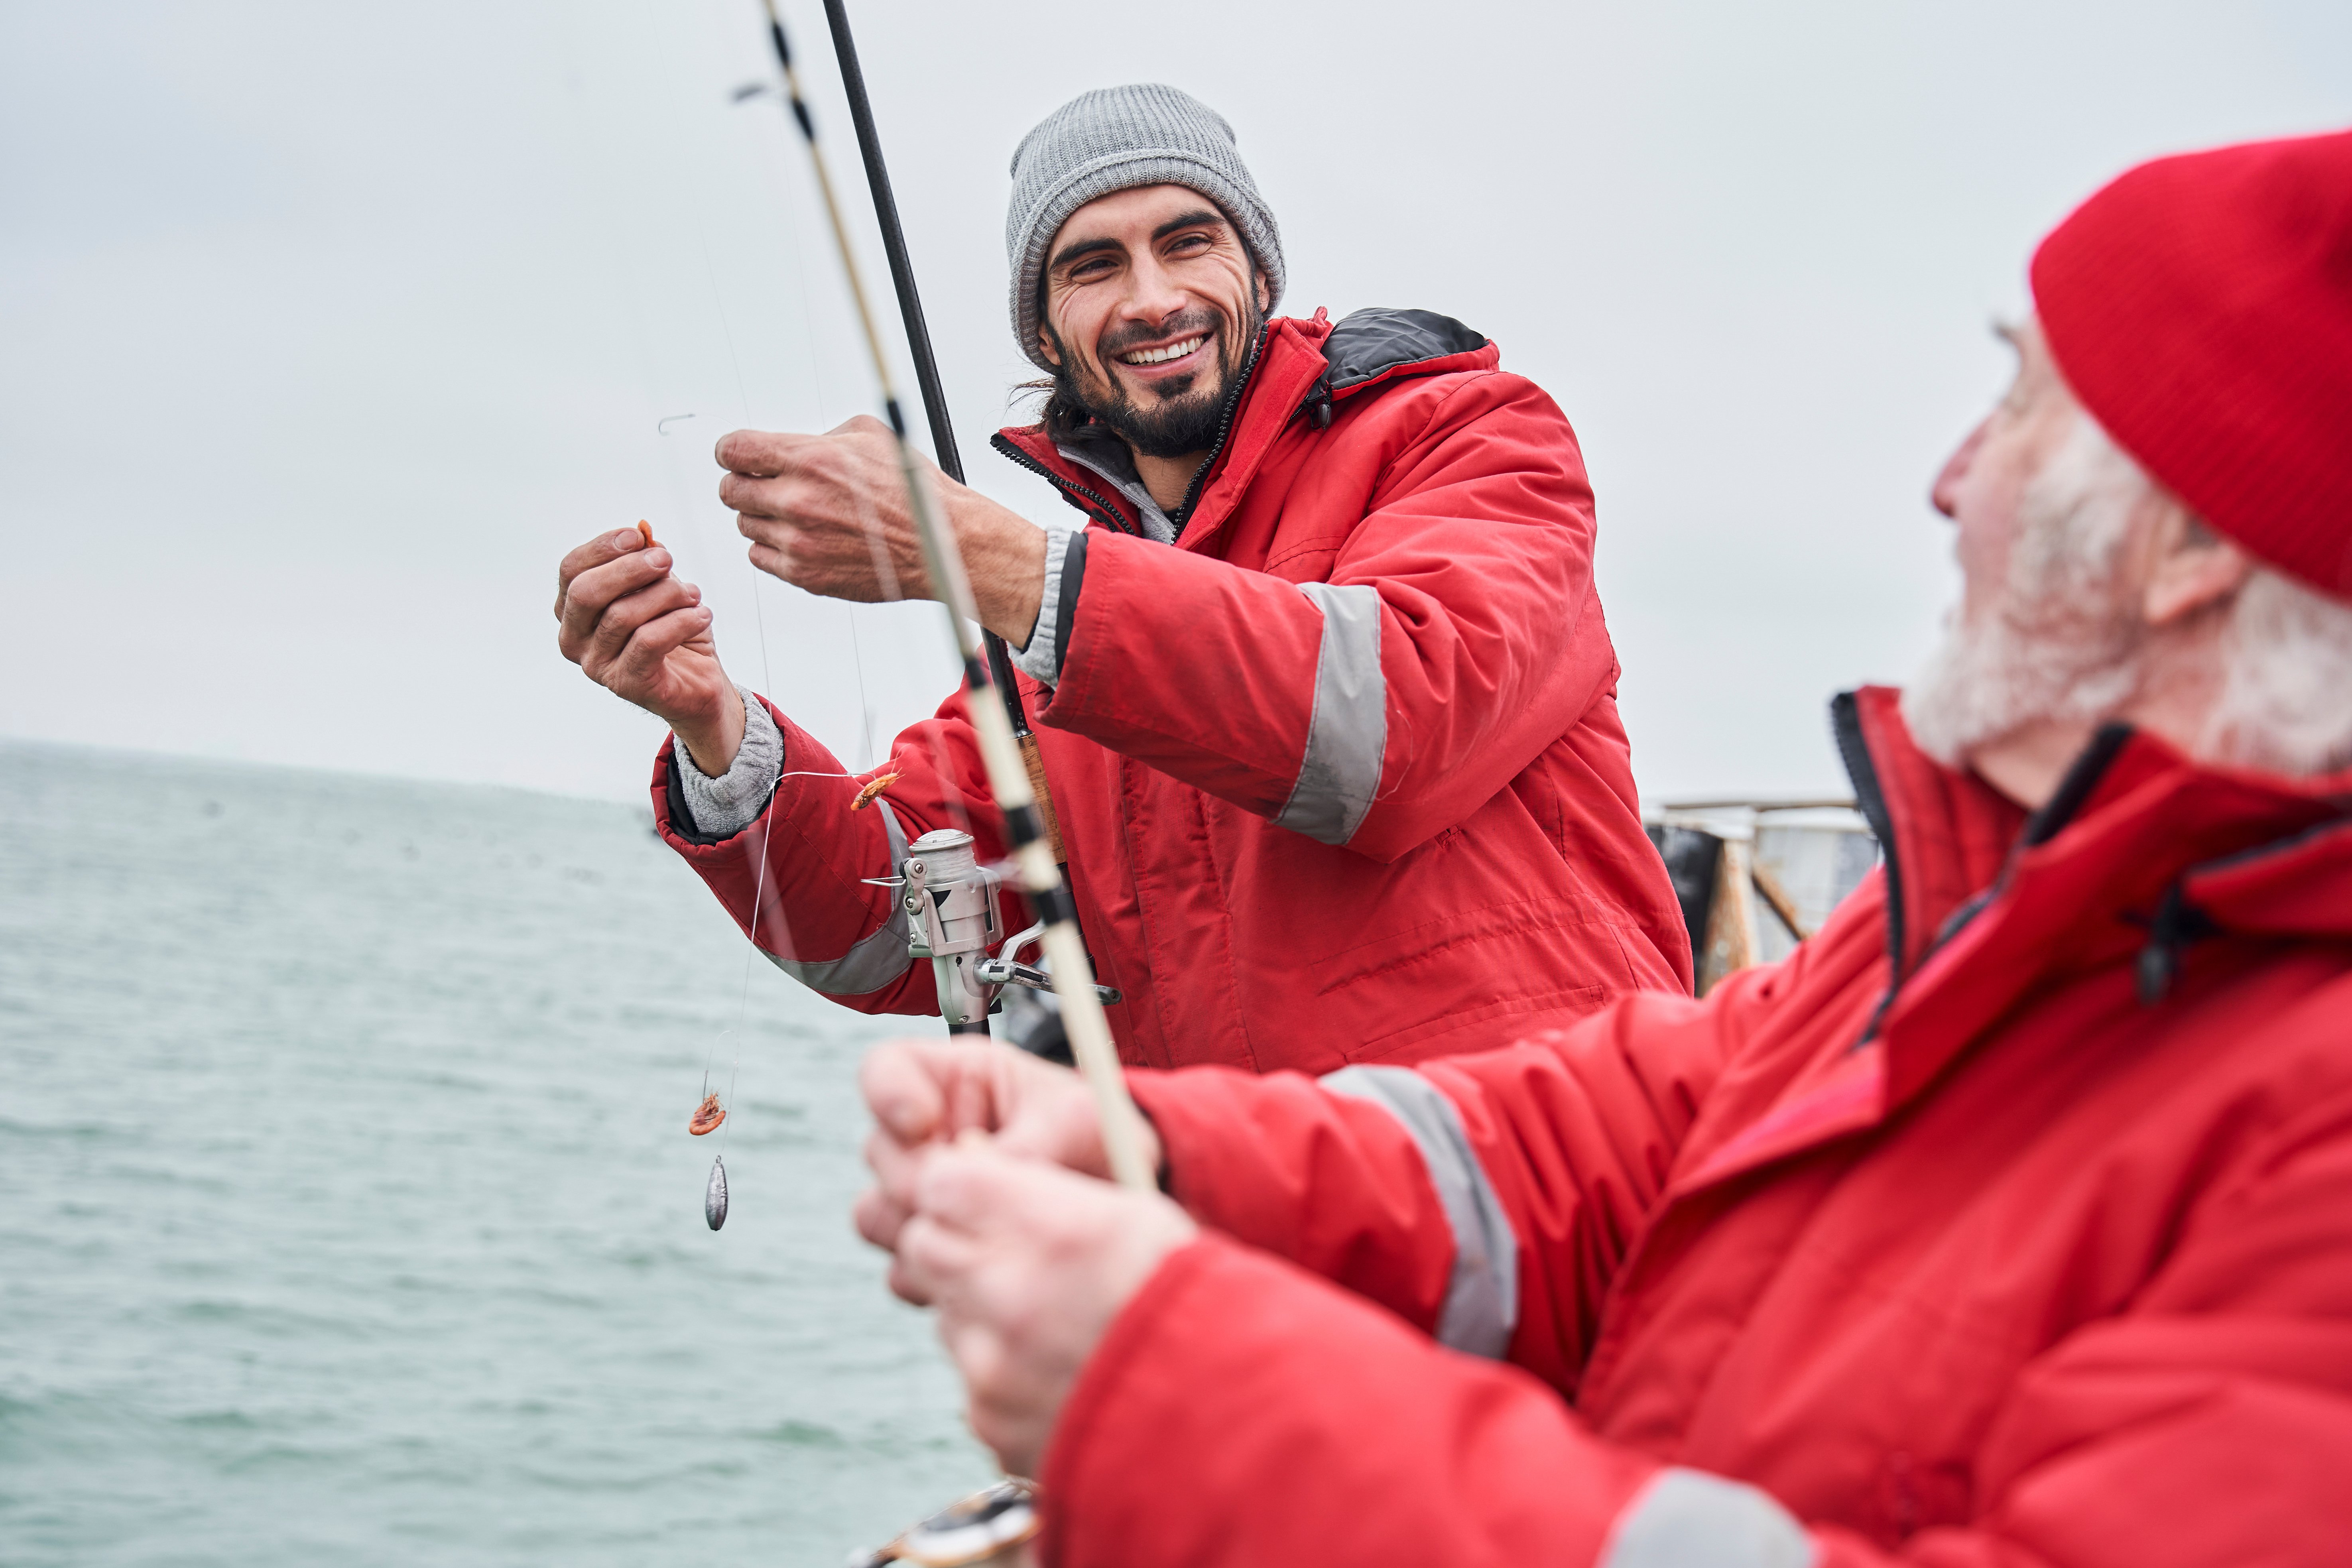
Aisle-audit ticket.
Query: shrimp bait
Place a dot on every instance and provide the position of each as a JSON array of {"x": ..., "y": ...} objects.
[
  {"x": 867, "y": 796},
  {"x": 707, "y": 1118},
  {"x": 645, "y": 532},
  {"x": 714, "y": 1196}
]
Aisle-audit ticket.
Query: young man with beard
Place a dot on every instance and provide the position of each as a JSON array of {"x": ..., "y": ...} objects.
[
  {"x": 2007, "y": 1221},
  {"x": 1325, "y": 697}
]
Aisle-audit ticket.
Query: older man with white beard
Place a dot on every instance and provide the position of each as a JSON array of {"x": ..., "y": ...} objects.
[{"x": 2009, "y": 1221}]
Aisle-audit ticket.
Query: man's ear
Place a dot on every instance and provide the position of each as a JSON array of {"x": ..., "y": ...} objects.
[
  {"x": 1264, "y": 287},
  {"x": 1048, "y": 347},
  {"x": 2194, "y": 568}
]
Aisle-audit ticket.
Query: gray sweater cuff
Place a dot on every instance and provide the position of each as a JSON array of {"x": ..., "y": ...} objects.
[
  {"x": 726, "y": 804},
  {"x": 1039, "y": 659}
]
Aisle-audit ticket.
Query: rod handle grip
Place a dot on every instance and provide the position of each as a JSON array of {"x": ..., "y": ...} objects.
[{"x": 1035, "y": 760}]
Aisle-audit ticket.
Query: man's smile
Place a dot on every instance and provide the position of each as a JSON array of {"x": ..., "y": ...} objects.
[
  {"x": 1172, "y": 352},
  {"x": 1167, "y": 368}
]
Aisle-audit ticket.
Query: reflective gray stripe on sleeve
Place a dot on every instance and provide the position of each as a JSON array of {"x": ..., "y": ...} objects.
[
  {"x": 1348, "y": 732},
  {"x": 874, "y": 960},
  {"x": 1688, "y": 1519},
  {"x": 1482, "y": 1299}
]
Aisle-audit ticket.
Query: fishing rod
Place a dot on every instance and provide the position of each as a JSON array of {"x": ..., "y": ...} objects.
[
  {"x": 927, "y": 379},
  {"x": 1008, "y": 773}
]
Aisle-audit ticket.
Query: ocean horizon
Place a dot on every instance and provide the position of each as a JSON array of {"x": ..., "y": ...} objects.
[{"x": 349, "y": 1213}]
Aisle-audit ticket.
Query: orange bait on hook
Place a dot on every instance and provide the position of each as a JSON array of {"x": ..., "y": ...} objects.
[
  {"x": 873, "y": 791},
  {"x": 707, "y": 1117},
  {"x": 645, "y": 532}
]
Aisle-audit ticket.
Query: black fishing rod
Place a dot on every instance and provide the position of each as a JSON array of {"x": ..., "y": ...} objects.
[{"x": 927, "y": 380}]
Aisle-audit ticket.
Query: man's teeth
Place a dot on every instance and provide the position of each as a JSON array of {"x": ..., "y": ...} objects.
[{"x": 1162, "y": 356}]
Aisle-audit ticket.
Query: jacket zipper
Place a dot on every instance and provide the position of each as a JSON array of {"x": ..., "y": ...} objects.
[
  {"x": 1870, "y": 799},
  {"x": 1225, "y": 428},
  {"x": 1862, "y": 771},
  {"x": 1109, "y": 513}
]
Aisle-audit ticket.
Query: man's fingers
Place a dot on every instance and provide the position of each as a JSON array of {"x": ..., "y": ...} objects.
[
  {"x": 652, "y": 643},
  {"x": 588, "y": 596},
  {"x": 972, "y": 1187},
  {"x": 879, "y": 1218},
  {"x": 761, "y": 454},
  {"x": 896, "y": 1165},
  {"x": 935, "y": 1259},
  {"x": 604, "y": 547},
  {"x": 902, "y": 1083},
  {"x": 904, "y": 1285},
  {"x": 625, "y": 616},
  {"x": 745, "y": 452}
]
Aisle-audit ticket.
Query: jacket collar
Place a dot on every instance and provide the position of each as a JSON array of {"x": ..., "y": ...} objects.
[
  {"x": 1284, "y": 376},
  {"x": 2140, "y": 855},
  {"x": 2140, "y": 852}
]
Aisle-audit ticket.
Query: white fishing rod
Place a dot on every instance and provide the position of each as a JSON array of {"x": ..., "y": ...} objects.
[{"x": 1008, "y": 775}]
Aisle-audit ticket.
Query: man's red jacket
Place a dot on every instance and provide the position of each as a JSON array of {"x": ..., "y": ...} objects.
[
  {"x": 1339, "y": 772},
  {"x": 2007, "y": 1222}
]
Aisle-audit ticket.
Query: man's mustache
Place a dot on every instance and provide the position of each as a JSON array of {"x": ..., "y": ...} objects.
[{"x": 1184, "y": 323}]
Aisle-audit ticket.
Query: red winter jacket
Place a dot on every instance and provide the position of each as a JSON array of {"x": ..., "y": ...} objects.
[
  {"x": 2007, "y": 1222},
  {"x": 1339, "y": 772}
]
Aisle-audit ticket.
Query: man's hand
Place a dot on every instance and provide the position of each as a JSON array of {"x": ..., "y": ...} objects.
[
  {"x": 828, "y": 513},
  {"x": 925, "y": 1093},
  {"x": 1028, "y": 1265},
  {"x": 644, "y": 636}
]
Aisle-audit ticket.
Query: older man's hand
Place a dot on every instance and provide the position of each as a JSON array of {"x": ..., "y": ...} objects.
[
  {"x": 828, "y": 513},
  {"x": 1028, "y": 1265},
  {"x": 924, "y": 1093}
]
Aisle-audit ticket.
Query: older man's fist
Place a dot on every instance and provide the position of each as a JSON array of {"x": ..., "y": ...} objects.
[
  {"x": 1028, "y": 1263},
  {"x": 924, "y": 1093}
]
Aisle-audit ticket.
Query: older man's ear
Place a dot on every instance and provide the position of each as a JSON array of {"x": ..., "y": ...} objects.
[{"x": 2191, "y": 569}]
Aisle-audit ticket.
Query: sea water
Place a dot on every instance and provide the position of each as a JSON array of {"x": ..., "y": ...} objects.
[{"x": 348, "y": 1213}]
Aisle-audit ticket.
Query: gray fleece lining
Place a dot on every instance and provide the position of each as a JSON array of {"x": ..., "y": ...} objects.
[
  {"x": 1037, "y": 656},
  {"x": 726, "y": 804},
  {"x": 1155, "y": 522}
]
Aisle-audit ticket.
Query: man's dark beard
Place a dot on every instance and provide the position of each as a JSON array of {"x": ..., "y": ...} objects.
[{"x": 1174, "y": 426}]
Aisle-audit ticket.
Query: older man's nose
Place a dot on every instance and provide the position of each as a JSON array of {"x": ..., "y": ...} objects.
[{"x": 1945, "y": 491}]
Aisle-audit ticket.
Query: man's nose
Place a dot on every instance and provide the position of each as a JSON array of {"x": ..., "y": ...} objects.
[
  {"x": 1153, "y": 294},
  {"x": 1945, "y": 491}
]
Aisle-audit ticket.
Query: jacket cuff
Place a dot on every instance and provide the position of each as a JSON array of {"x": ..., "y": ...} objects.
[
  {"x": 1239, "y": 1409},
  {"x": 1049, "y": 641},
  {"x": 722, "y": 807}
]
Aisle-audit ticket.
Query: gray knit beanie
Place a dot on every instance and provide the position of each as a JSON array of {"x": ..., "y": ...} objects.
[{"x": 1115, "y": 139}]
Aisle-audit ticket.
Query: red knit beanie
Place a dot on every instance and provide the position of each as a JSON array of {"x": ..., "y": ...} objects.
[{"x": 2202, "y": 309}]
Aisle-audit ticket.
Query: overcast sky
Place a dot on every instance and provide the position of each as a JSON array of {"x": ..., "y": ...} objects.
[{"x": 327, "y": 329}]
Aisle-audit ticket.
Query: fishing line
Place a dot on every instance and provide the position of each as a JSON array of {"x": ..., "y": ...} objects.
[
  {"x": 762, "y": 910},
  {"x": 989, "y": 709}
]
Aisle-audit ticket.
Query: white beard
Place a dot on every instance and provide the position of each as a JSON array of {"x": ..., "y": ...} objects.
[{"x": 2064, "y": 640}]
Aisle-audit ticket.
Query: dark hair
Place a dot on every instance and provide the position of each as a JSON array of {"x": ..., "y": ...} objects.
[{"x": 1060, "y": 413}]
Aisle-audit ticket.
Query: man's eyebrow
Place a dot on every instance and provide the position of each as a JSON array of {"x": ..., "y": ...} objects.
[
  {"x": 1077, "y": 249},
  {"x": 1192, "y": 220}
]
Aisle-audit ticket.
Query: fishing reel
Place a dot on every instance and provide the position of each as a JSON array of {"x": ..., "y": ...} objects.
[
  {"x": 952, "y": 916},
  {"x": 987, "y": 1530}
]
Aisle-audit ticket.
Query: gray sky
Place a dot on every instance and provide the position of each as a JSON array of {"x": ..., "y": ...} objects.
[{"x": 326, "y": 330}]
